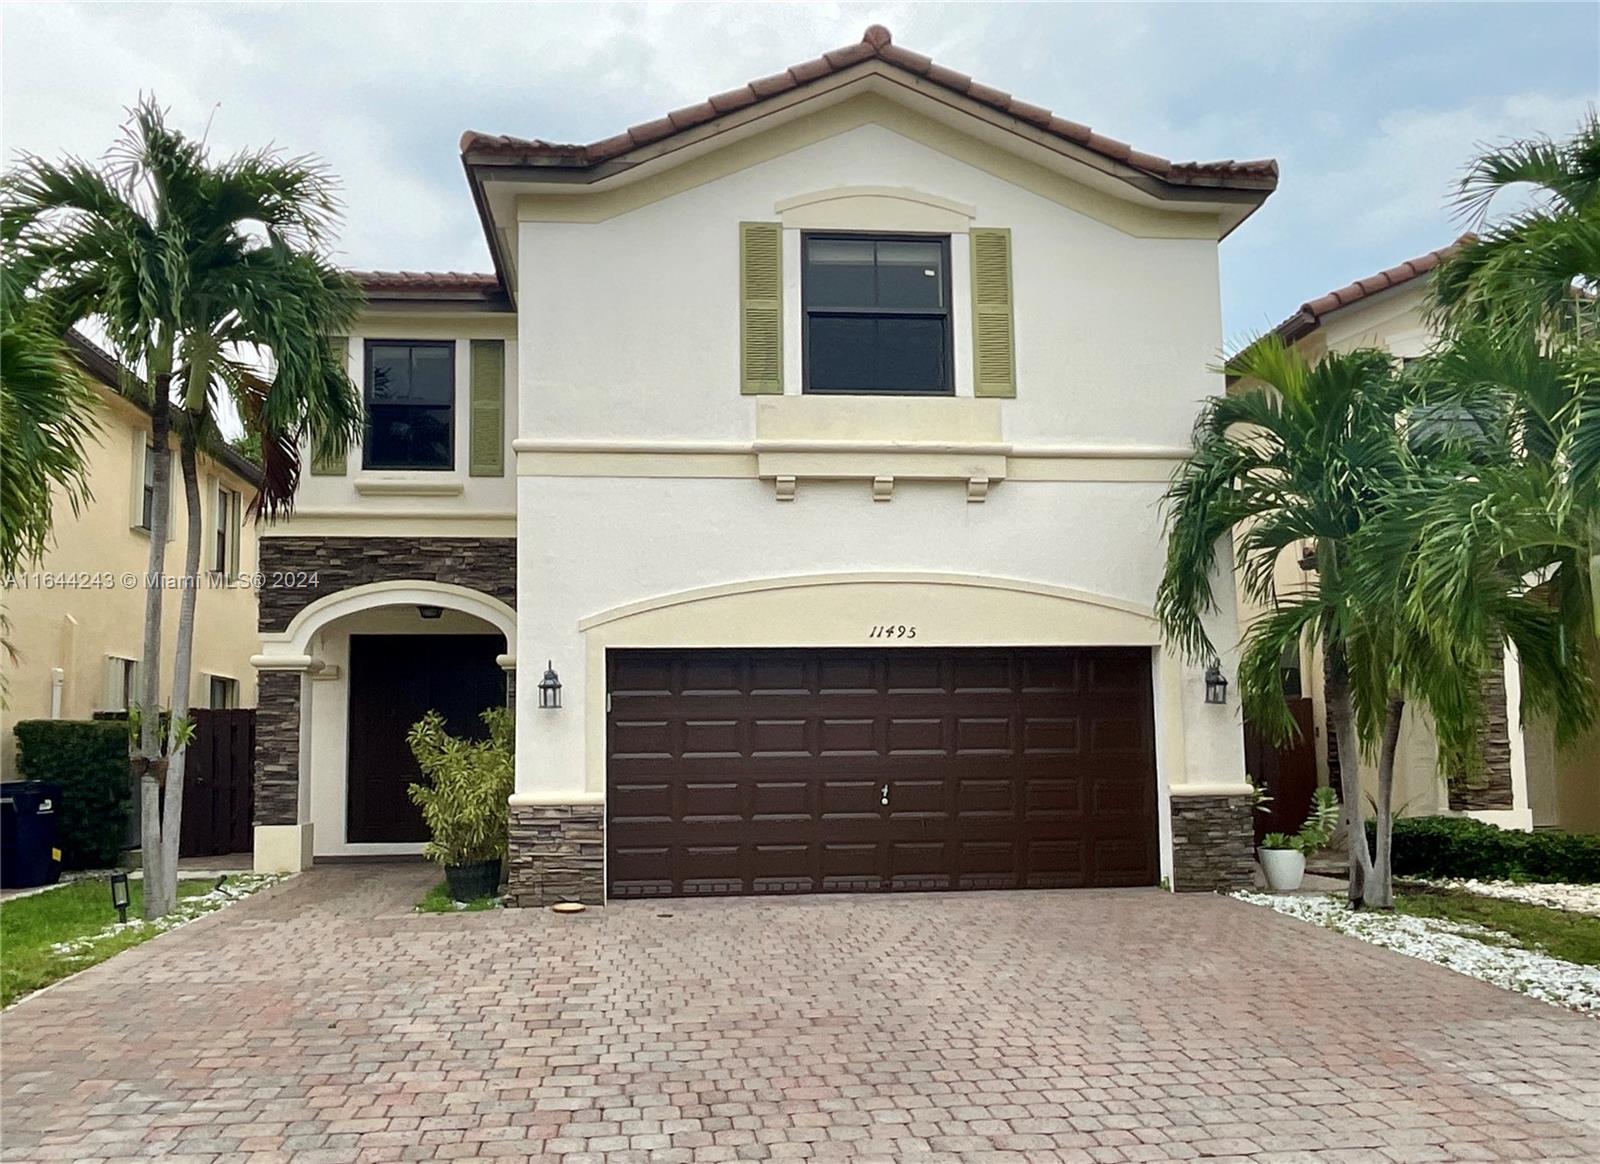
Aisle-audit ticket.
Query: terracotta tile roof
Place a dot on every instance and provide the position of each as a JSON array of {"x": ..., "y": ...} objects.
[
  {"x": 424, "y": 282},
  {"x": 876, "y": 44},
  {"x": 1310, "y": 315},
  {"x": 105, "y": 367}
]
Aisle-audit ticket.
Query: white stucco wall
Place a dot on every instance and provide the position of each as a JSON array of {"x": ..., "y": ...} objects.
[
  {"x": 630, "y": 326},
  {"x": 630, "y": 348},
  {"x": 336, "y": 505}
]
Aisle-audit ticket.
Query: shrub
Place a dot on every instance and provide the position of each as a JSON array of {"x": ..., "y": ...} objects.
[
  {"x": 471, "y": 780},
  {"x": 89, "y": 760},
  {"x": 1460, "y": 847}
]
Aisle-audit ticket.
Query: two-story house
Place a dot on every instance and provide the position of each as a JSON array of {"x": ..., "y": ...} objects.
[
  {"x": 1527, "y": 781},
  {"x": 811, "y": 439},
  {"x": 77, "y": 616}
]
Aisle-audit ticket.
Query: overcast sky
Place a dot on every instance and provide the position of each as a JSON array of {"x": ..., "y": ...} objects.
[{"x": 1370, "y": 109}]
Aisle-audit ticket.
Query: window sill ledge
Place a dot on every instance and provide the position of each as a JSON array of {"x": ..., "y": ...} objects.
[{"x": 409, "y": 486}]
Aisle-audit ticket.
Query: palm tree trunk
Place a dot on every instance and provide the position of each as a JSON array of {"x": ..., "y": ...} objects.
[
  {"x": 1341, "y": 721},
  {"x": 1379, "y": 890},
  {"x": 182, "y": 666},
  {"x": 148, "y": 750}
]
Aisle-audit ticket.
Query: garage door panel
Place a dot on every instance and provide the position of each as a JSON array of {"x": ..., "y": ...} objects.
[
  {"x": 640, "y": 738},
  {"x": 985, "y": 796},
  {"x": 1046, "y": 736},
  {"x": 918, "y": 737},
  {"x": 847, "y": 674},
  {"x": 847, "y": 737},
  {"x": 765, "y": 771},
  {"x": 987, "y": 736}
]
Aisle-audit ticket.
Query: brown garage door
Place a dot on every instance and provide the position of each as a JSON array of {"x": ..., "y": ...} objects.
[{"x": 847, "y": 770}]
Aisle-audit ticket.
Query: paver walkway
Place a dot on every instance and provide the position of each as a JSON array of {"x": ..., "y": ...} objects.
[{"x": 321, "y": 1022}]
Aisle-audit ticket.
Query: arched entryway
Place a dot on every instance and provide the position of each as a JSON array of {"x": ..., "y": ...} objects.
[{"x": 350, "y": 674}]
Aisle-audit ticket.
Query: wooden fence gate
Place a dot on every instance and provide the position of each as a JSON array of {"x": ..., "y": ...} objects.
[{"x": 218, "y": 785}]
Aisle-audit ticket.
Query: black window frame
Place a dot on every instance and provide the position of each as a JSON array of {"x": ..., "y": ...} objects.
[
  {"x": 807, "y": 311},
  {"x": 366, "y": 402}
]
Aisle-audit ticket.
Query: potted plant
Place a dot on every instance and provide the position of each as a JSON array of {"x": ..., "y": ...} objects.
[
  {"x": 1283, "y": 858},
  {"x": 464, "y": 801}
]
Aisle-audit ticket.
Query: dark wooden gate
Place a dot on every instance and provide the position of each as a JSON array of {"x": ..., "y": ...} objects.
[
  {"x": 218, "y": 797},
  {"x": 1287, "y": 773}
]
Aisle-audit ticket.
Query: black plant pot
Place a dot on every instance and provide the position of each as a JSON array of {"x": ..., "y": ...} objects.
[{"x": 470, "y": 882}]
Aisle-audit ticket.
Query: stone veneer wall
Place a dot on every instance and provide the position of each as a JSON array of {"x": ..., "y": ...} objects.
[
  {"x": 339, "y": 563},
  {"x": 1212, "y": 843},
  {"x": 557, "y": 854},
  {"x": 1490, "y": 787},
  {"x": 486, "y": 564},
  {"x": 277, "y": 776}
]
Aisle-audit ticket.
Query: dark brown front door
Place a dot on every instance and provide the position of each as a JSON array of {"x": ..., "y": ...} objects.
[
  {"x": 803, "y": 771},
  {"x": 394, "y": 681},
  {"x": 1286, "y": 772}
]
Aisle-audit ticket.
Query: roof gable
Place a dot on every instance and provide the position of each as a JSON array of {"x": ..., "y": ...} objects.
[
  {"x": 498, "y": 164},
  {"x": 877, "y": 44}
]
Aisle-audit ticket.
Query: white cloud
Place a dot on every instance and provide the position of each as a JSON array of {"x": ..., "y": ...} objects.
[{"x": 1372, "y": 109}]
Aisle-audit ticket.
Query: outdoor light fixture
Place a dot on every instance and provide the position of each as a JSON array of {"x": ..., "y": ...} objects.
[
  {"x": 119, "y": 896},
  {"x": 1216, "y": 685},
  {"x": 550, "y": 688},
  {"x": 431, "y": 612}
]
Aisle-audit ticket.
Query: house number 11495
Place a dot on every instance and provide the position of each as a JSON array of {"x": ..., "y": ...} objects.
[{"x": 893, "y": 631}]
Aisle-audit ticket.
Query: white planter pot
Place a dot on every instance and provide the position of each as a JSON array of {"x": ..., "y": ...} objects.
[{"x": 1285, "y": 869}]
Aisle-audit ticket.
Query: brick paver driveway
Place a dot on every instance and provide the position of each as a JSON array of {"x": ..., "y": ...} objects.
[{"x": 321, "y": 1022}]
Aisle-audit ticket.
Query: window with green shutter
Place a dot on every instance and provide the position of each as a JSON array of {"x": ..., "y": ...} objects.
[
  {"x": 333, "y": 466},
  {"x": 487, "y": 434},
  {"x": 993, "y": 332},
  {"x": 760, "y": 308}
]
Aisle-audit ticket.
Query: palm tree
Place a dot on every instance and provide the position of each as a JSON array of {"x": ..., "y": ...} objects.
[
  {"x": 190, "y": 265},
  {"x": 1521, "y": 355},
  {"x": 1526, "y": 271},
  {"x": 1302, "y": 454},
  {"x": 47, "y": 413}
]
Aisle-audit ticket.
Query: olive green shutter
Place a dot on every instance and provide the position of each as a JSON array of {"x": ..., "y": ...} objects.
[
  {"x": 333, "y": 466},
  {"x": 994, "y": 357},
  {"x": 760, "y": 308},
  {"x": 486, "y": 441}
]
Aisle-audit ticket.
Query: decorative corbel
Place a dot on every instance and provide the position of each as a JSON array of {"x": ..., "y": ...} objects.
[
  {"x": 783, "y": 488},
  {"x": 883, "y": 488}
]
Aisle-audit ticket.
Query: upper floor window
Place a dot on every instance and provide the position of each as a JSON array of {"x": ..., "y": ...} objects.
[
  {"x": 410, "y": 394},
  {"x": 877, "y": 313},
  {"x": 147, "y": 506},
  {"x": 225, "y": 557}
]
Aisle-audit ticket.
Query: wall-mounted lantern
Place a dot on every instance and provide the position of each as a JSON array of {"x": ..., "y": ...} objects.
[
  {"x": 431, "y": 612},
  {"x": 119, "y": 896},
  {"x": 1216, "y": 684},
  {"x": 550, "y": 688}
]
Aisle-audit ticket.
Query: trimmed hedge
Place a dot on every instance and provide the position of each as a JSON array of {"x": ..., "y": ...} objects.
[
  {"x": 89, "y": 760},
  {"x": 1460, "y": 847}
]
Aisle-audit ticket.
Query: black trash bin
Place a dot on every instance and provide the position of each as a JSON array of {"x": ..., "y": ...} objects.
[{"x": 29, "y": 854}]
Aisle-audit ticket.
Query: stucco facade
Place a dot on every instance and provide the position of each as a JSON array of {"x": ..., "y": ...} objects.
[
  {"x": 77, "y": 616},
  {"x": 658, "y": 503}
]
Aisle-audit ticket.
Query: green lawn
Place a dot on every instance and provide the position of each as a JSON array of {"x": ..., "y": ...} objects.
[
  {"x": 80, "y": 913},
  {"x": 1572, "y": 937},
  {"x": 440, "y": 901}
]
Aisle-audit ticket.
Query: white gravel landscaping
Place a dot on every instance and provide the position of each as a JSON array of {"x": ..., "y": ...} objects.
[
  {"x": 1577, "y": 898},
  {"x": 235, "y": 887},
  {"x": 1454, "y": 945}
]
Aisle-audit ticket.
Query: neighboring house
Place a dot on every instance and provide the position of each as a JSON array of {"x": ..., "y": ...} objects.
[
  {"x": 812, "y": 438},
  {"x": 1526, "y": 782},
  {"x": 77, "y": 616}
]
